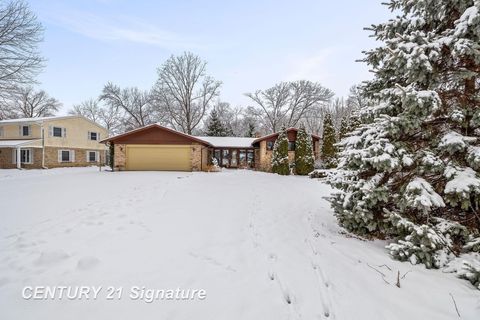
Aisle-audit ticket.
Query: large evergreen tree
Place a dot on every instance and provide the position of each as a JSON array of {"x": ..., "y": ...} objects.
[
  {"x": 280, "y": 162},
  {"x": 329, "y": 151},
  {"x": 215, "y": 127},
  {"x": 304, "y": 158},
  {"x": 411, "y": 173}
]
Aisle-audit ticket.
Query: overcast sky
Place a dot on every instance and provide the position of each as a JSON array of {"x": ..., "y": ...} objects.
[{"x": 249, "y": 44}]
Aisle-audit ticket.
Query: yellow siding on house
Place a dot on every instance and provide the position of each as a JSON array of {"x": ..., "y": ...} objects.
[
  {"x": 76, "y": 134},
  {"x": 13, "y": 132}
]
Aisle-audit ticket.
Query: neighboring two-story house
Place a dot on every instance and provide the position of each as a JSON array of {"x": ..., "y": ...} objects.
[{"x": 48, "y": 142}]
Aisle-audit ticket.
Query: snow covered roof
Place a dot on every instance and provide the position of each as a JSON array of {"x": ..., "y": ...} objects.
[
  {"x": 39, "y": 119},
  {"x": 18, "y": 143},
  {"x": 275, "y": 134},
  {"x": 231, "y": 142}
]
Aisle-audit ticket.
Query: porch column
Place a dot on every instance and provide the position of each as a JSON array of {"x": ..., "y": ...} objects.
[{"x": 19, "y": 158}]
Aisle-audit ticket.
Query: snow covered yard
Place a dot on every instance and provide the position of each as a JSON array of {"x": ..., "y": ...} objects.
[{"x": 262, "y": 246}]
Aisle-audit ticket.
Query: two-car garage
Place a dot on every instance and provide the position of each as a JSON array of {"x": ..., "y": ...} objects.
[
  {"x": 157, "y": 148},
  {"x": 158, "y": 157}
]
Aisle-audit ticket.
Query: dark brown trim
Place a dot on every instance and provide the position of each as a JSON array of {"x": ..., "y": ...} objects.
[
  {"x": 135, "y": 131},
  {"x": 272, "y": 135}
]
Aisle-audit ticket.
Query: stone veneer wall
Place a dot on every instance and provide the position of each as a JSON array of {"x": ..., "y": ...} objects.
[
  {"x": 317, "y": 150},
  {"x": 51, "y": 157},
  {"x": 196, "y": 156},
  {"x": 119, "y": 157}
]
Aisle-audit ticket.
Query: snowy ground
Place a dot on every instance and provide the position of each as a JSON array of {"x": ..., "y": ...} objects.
[{"x": 261, "y": 245}]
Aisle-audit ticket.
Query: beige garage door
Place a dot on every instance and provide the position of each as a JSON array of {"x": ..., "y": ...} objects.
[{"x": 158, "y": 157}]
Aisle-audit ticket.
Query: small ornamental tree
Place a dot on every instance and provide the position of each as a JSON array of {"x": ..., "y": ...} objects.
[
  {"x": 215, "y": 127},
  {"x": 304, "y": 158},
  {"x": 410, "y": 172},
  {"x": 329, "y": 151},
  {"x": 280, "y": 162}
]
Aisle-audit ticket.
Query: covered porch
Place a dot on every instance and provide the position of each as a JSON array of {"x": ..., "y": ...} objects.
[{"x": 21, "y": 153}]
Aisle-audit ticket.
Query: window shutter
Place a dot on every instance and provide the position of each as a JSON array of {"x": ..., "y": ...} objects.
[
  {"x": 64, "y": 132},
  {"x": 50, "y": 131},
  {"x": 29, "y": 130},
  {"x": 20, "y": 133},
  {"x": 1, "y": 131},
  {"x": 14, "y": 156},
  {"x": 87, "y": 158},
  {"x": 72, "y": 156},
  {"x": 59, "y": 155},
  {"x": 97, "y": 156},
  {"x": 31, "y": 156},
  {"x": 88, "y": 135},
  {"x": 98, "y": 136}
]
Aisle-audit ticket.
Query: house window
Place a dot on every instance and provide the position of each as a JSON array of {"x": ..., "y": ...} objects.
[
  {"x": 225, "y": 157},
  {"x": 92, "y": 156},
  {"x": 25, "y": 131},
  {"x": 242, "y": 156},
  {"x": 270, "y": 145},
  {"x": 250, "y": 158},
  {"x": 216, "y": 155},
  {"x": 66, "y": 156},
  {"x": 291, "y": 145},
  {"x": 57, "y": 132},
  {"x": 26, "y": 156},
  {"x": 93, "y": 136}
]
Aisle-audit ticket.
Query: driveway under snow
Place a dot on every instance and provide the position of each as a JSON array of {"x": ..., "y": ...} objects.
[{"x": 261, "y": 245}]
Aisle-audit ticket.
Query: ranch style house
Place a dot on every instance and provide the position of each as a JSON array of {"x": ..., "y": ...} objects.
[{"x": 155, "y": 147}]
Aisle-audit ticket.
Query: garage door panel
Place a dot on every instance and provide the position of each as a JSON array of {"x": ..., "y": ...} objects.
[{"x": 158, "y": 157}]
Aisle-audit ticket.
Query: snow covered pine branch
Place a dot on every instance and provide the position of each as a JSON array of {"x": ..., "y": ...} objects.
[{"x": 410, "y": 172}]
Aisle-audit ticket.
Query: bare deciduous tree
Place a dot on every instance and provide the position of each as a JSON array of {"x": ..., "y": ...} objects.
[
  {"x": 108, "y": 116},
  {"x": 286, "y": 103},
  {"x": 185, "y": 90},
  {"x": 20, "y": 35},
  {"x": 355, "y": 99},
  {"x": 26, "y": 102},
  {"x": 135, "y": 103}
]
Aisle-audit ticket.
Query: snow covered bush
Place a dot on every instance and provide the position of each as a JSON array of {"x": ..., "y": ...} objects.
[
  {"x": 213, "y": 166},
  {"x": 280, "y": 163},
  {"x": 410, "y": 171},
  {"x": 304, "y": 158}
]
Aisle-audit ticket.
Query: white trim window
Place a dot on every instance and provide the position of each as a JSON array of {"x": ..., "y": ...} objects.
[
  {"x": 93, "y": 156},
  {"x": 93, "y": 136},
  {"x": 66, "y": 155},
  {"x": 26, "y": 156},
  {"x": 25, "y": 130},
  {"x": 58, "y": 132}
]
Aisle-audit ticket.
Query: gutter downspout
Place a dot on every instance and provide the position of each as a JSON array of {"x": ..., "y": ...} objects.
[{"x": 43, "y": 146}]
